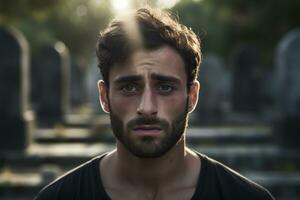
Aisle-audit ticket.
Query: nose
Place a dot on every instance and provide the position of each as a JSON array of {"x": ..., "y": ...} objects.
[{"x": 148, "y": 105}]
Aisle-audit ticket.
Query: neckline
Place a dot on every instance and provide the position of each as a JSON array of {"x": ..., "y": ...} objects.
[
  {"x": 201, "y": 177},
  {"x": 199, "y": 187},
  {"x": 102, "y": 192}
]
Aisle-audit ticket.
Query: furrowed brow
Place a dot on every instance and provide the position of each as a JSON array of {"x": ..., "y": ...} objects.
[
  {"x": 129, "y": 78},
  {"x": 165, "y": 78}
]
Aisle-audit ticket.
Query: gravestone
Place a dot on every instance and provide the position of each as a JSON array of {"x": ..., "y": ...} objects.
[
  {"x": 214, "y": 80},
  {"x": 287, "y": 63},
  {"x": 15, "y": 118},
  {"x": 247, "y": 76},
  {"x": 78, "y": 93},
  {"x": 93, "y": 75},
  {"x": 268, "y": 91},
  {"x": 51, "y": 84}
]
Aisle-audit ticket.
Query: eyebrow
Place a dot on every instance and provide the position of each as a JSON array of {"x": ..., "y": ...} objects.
[
  {"x": 164, "y": 78},
  {"x": 155, "y": 76}
]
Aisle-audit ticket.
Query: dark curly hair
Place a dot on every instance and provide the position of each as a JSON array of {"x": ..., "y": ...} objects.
[{"x": 155, "y": 28}]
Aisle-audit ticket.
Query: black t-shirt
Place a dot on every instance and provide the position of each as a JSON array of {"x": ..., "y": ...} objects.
[{"x": 216, "y": 181}]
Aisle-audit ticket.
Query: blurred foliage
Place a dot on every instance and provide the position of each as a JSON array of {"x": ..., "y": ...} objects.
[
  {"x": 224, "y": 24},
  {"x": 19, "y": 9},
  {"x": 78, "y": 24},
  {"x": 43, "y": 22},
  {"x": 221, "y": 24}
]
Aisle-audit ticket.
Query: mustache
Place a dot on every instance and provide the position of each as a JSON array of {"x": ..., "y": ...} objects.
[{"x": 149, "y": 120}]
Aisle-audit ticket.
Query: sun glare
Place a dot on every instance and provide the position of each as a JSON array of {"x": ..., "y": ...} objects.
[
  {"x": 166, "y": 3},
  {"x": 120, "y": 5}
]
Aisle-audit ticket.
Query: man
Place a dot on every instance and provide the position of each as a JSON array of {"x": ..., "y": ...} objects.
[{"x": 149, "y": 64}]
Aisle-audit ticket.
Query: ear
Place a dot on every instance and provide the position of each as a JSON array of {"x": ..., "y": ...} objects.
[
  {"x": 103, "y": 96},
  {"x": 193, "y": 96}
]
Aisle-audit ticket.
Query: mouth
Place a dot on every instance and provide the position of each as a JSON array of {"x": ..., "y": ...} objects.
[{"x": 147, "y": 130}]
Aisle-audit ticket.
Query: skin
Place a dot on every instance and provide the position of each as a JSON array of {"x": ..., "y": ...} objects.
[{"x": 151, "y": 160}]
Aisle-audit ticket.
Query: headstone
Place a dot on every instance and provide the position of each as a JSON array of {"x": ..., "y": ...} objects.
[
  {"x": 214, "y": 90},
  {"x": 80, "y": 115},
  {"x": 247, "y": 76},
  {"x": 287, "y": 62},
  {"x": 51, "y": 84},
  {"x": 268, "y": 94},
  {"x": 78, "y": 92},
  {"x": 15, "y": 118},
  {"x": 93, "y": 75}
]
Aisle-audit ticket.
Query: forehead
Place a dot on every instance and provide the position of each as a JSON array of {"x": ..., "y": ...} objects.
[{"x": 163, "y": 61}]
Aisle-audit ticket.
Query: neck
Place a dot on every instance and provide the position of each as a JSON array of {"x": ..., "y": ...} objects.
[
  {"x": 177, "y": 170},
  {"x": 151, "y": 172}
]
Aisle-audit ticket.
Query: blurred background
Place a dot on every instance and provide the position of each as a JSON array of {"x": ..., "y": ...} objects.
[{"x": 248, "y": 115}]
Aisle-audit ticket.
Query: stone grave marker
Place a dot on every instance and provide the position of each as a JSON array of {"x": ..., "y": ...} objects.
[
  {"x": 15, "y": 118},
  {"x": 93, "y": 75},
  {"x": 214, "y": 89},
  {"x": 51, "y": 84},
  {"x": 268, "y": 89},
  {"x": 247, "y": 77},
  {"x": 287, "y": 64},
  {"x": 78, "y": 93}
]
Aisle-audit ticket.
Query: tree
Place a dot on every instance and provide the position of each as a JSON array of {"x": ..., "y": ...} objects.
[
  {"x": 76, "y": 23},
  {"x": 223, "y": 24}
]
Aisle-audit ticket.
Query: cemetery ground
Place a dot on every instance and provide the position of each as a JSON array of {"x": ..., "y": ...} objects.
[{"x": 247, "y": 149}]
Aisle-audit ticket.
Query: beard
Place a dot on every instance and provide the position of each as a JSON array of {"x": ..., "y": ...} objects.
[{"x": 147, "y": 146}]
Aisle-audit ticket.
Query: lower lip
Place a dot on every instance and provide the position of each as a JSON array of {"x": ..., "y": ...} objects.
[{"x": 147, "y": 132}]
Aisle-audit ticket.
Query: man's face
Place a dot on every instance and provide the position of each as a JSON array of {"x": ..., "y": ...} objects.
[{"x": 148, "y": 101}]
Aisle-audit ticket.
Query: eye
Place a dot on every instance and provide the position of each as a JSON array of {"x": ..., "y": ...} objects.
[
  {"x": 130, "y": 88},
  {"x": 165, "y": 88}
]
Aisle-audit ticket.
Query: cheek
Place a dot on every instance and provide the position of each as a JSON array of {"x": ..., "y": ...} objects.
[
  {"x": 173, "y": 106},
  {"x": 122, "y": 107}
]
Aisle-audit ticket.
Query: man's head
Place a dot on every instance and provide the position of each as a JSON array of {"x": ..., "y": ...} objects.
[
  {"x": 147, "y": 29},
  {"x": 149, "y": 82}
]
